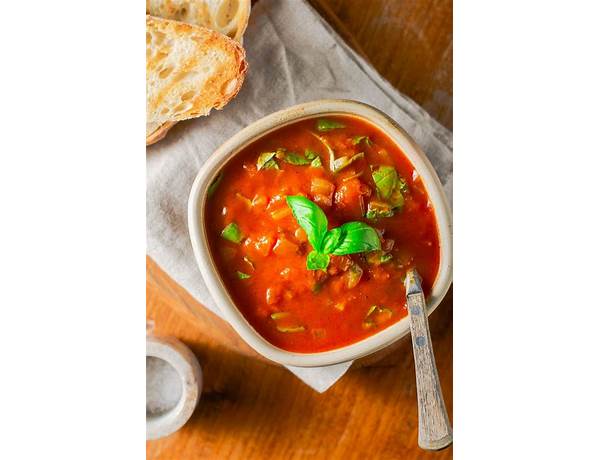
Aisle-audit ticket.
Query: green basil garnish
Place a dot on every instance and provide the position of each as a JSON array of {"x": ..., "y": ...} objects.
[
  {"x": 377, "y": 209},
  {"x": 242, "y": 275},
  {"x": 390, "y": 188},
  {"x": 310, "y": 217},
  {"x": 385, "y": 178},
  {"x": 215, "y": 183},
  {"x": 357, "y": 140},
  {"x": 295, "y": 159},
  {"x": 324, "y": 125},
  {"x": 357, "y": 237},
  {"x": 342, "y": 162},
  {"x": 349, "y": 238},
  {"x": 310, "y": 154},
  {"x": 232, "y": 233},
  {"x": 316, "y": 163},
  {"x": 317, "y": 261},
  {"x": 332, "y": 240},
  {"x": 266, "y": 160}
]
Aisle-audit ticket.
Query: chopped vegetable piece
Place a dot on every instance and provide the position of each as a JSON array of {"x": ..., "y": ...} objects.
[
  {"x": 290, "y": 328},
  {"x": 320, "y": 186},
  {"x": 385, "y": 178},
  {"x": 397, "y": 199},
  {"x": 279, "y": 314},
  {"x": 386, "y": 257},
  {"x": 284, "y": 247},
  {"x": 378, "y": 257},
  {"x": 324, "y": 125},
  {"x": 232, "y": 233},
  {"x": 316, "y": 163},
  {"x": 390, "y": 187},
  {"x": 318, "y": 333},
  {"x": 357, "y": 139},
  {"x": 273, "y": 295},
  {"x": 282, "y": 213},
  {"x": 259, "y": 201},
  {"x": 342, "y": 162},
  {"x": 402, "y": 185},
  {"x": 215, "y": 183},
  {"x": 249, "y": 262},
  {"x": 243, "y": 199},
  {"x": 295, "y": 159},
  {"x": 300, "y": 235},
  {"x": 310, "y": 154},
  {"x": 378, "y": 209},
  {"x": 371, "y": 310},
  {"x": 242, "y": 275},
  {"x": 340, "y": 306},
  {"x": 266, "y": 160},
  {"x": 330, "y": 151},
  {"x": 353, "y": 276}
]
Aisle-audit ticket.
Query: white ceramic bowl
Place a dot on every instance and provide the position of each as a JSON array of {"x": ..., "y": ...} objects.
[{"x": 196, "y": 210}]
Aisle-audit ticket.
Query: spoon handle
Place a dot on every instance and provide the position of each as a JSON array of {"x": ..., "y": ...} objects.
[{"x": 435, "y": 431}]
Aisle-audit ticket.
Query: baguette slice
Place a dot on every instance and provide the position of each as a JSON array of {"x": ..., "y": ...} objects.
[
  {"x": 189, "y": 71},
  {"x": 230, "y": 17}
]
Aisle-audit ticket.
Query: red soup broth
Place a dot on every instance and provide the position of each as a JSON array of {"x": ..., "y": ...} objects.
[{"x": 358, "y": 295}]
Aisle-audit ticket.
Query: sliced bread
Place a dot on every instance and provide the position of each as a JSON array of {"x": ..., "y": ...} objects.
[
  {"x": 230, "y": 17},
  {"x": 189, "y": 71}
]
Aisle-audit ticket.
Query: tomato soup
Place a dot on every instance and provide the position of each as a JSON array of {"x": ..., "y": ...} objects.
[{"x": 312, "y": 229}]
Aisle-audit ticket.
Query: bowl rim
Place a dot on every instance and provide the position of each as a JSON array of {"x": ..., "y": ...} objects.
[{"x": 262, "y": 127}]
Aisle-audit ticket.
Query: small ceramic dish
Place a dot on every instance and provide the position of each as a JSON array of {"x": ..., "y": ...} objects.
[{"x": 196, "y": 216}]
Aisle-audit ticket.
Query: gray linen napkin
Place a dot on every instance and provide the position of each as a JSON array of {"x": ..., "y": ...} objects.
[{"x": 294, "y": 56}]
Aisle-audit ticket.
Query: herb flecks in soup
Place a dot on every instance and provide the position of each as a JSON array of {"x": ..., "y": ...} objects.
[{"x": 313, "y": 228}]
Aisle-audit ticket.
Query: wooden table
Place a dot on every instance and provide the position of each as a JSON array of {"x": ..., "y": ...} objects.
[{"x": 251, "y": 409}]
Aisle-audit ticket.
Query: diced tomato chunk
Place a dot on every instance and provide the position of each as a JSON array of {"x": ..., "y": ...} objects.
[{"x": 284, "y": 247}]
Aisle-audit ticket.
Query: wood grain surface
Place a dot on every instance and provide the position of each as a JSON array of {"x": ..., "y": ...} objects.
[{"x": 252, "y": 409}]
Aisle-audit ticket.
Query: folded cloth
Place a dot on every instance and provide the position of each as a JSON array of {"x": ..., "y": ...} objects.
[{"x": 294, "y": 56}]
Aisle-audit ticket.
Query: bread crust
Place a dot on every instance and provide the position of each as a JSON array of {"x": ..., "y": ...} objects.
[
  {"x": 159, "y": 133},
  {"x": 224, "y": 74}
]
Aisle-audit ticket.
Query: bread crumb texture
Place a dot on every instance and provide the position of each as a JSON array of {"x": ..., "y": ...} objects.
[{"x": 230, "y": 17}]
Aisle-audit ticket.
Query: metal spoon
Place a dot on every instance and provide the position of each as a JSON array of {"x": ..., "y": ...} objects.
[{"x": 435, "y": 431}]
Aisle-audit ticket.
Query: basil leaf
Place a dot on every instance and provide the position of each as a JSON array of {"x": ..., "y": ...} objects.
[
  {"x": 357, "y": 139},
  {"x": 385, "y": 257},
  {"x": 310, "y": 217},
  {"x": 232, "y": 233},
  {"x": 342, "y": 162},
  {"x": 332, "y": 239},
  {"x": 242, "y": 275},
  {"x": 317, "y": 261},
  {"x": 310, "y": 154},
  {"x": 266, "y": 160},
  {"x": 324, "y": 125},
  {"x": 357, "y": 237},
  {"x": 295, "y": 159},
  {"x": 215, "y": 183},
  {"x": 379, "y": 257},
  {"x": 316, "y": 163},
  {"x": 385, "y": 178}
]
